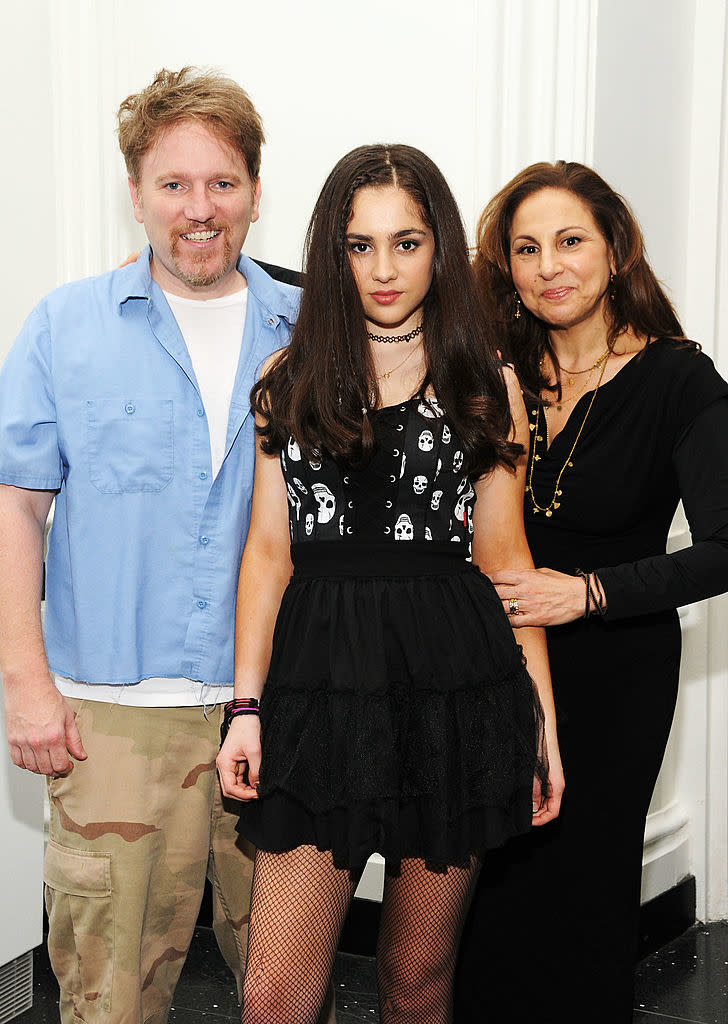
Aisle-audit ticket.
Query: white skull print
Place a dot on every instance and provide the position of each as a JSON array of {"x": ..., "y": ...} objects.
[
  {"x": 294, "y": 452},
  {"x": 315, "y": 463},
  {"x": 419, "y": 483},
  {"x": 294, "y": 500},
  {"x": 403, "y": 528},
  {"x": 446, "y": 435},
  {"x": 428, "y": 533},
  {"x": 300, "y": 485},
  {"x": 404, "y": 463},
  {"x": 426, "y": 441},
  {"x": 459, "y": 513},
  {"x": 341, "y": 525},
  {"x": 309, "y": 523},
  {"x": 435, "y": 501},
  {"x": 430, "y": 409},
  {"x": 457, "y": 462},
  {"x": 325, "y": 501}
]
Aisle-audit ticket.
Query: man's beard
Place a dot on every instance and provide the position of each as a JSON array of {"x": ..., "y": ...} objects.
[{"x": 200, "y": 276}]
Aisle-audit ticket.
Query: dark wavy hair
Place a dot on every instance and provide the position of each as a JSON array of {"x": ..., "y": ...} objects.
[
  {"x": 637, "y": 300},
  {"x": 321, "y": 388}
]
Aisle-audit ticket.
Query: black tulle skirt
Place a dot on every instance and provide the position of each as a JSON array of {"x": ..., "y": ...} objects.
[{"x": 398, "y": 715}]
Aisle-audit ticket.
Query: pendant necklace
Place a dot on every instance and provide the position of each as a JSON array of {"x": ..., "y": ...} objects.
[
  {"x": 571, "y": 374},
  {"x": 388, "y": 373},
  {"x": 548, "y": 510}
]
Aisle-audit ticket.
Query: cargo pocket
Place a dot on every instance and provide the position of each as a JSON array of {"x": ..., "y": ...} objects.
[{"x": 81, "y": 918}]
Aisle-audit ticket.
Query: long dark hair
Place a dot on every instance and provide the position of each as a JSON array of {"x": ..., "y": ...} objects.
[
  {"x": 637, "y": 299},
  {"x": 322, "y": 387}
]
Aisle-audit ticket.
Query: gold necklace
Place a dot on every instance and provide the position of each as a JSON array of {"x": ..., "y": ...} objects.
[
  {"x": 388, "y": 373},
  {"x": 576, "y": 396},
  {"x": 576, "y": 373},
  {"x": 588, "y": 370},
  {"x": 549, "y": 509}
]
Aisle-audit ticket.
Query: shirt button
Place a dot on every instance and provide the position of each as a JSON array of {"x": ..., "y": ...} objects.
[
  {"x": 204, "y": 540},
  {"x": 129, "y": 407},
  {"x": 203, "y": 475},
  {"x": 270, "y": 321},
  {"x": 202, "y": 604},
  {"x": 200, "y": 412}
]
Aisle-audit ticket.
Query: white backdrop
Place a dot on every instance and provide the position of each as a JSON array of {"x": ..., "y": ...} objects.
[{"x": 635, "y": 87}]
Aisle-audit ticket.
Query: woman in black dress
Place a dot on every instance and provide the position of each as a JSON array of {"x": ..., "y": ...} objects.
[
  {"x": 397, "y": 714},
  {"x": 628, "y": 418}
]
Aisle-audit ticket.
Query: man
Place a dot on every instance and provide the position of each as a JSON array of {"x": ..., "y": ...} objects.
[{"x": 125, "y": 398}]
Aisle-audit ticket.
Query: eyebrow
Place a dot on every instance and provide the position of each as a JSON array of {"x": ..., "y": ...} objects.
[
  {"x": 396, "y": 234},
  {"x": 560, "y": 231},
  {"x": 174, "y": 176}
]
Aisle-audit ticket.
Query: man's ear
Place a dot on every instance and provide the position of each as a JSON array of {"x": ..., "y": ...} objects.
[
  {"x": 255, "y": 212},
  {"x": 136, "y": 202}
]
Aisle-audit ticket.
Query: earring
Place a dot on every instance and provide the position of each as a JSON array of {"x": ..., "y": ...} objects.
[
  {"x": 611, "y": 286},
  {"x": 517, "y": 314}
]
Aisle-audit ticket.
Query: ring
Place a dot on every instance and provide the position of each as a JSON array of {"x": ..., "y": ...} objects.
[{"x": 513, "y": 606}]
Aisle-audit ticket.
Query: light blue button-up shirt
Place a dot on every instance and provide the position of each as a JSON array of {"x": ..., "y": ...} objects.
[{"x": 99, "y": 401}]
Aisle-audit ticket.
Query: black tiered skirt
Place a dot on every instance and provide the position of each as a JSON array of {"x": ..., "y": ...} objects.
[{"x": 398, "y": 716}]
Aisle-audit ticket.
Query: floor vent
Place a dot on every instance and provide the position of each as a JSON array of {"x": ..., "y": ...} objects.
[{"x": 16, "y": 987}]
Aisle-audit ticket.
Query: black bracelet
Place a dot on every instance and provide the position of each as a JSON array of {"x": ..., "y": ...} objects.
[
  {"x": 595, "y": 603},
  {"x": 587, "y": 586},
  {"x": 235, "y": 707},
  {"x": 600, "y": 600}
]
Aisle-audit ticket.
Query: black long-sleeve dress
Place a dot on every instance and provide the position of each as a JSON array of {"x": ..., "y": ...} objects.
[{"x": 553, "y": 928}]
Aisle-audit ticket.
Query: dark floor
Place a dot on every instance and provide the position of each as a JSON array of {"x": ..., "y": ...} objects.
[{"x": 685, "y": 982}]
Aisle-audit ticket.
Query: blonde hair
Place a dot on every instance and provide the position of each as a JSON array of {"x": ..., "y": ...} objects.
[{"x": 208, "y": 97}]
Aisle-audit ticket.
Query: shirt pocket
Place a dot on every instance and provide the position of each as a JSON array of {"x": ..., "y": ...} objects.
[{"x": 130, "y": 444}]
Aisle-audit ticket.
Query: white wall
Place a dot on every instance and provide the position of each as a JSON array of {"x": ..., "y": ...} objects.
[{"x": 484, "y": 86}]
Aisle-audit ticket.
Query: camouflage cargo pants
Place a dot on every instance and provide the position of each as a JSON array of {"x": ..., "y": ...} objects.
[{"x": 133, "y": 832}]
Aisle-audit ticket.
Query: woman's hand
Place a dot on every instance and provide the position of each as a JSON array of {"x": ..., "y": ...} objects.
[
  {"x": 546, "y": 806},
  {"x": 539, "y": 597},
  {"x": 239, "y": 758}
]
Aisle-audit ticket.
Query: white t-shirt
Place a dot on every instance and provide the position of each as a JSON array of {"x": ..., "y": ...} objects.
[{"x": 212, "y": 330}]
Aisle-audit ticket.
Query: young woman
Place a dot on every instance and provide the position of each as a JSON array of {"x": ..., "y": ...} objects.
[{"x": 398, "y": 714}]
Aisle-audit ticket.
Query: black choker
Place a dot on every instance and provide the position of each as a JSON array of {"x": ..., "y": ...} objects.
[{"x": 396, "y": 337}]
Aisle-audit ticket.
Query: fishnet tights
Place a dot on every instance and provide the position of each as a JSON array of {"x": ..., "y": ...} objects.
[
  {"x": 423, "y": 913},
  {"x": 298, "y": 907}
]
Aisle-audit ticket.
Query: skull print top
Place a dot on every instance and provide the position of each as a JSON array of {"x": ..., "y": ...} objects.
[{"x": 414, "y": 487}]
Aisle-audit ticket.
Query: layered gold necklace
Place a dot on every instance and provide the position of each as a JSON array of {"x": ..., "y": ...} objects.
[
  {"x": 571, "y": 381},
  {"x": 548, "y": 510}
]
